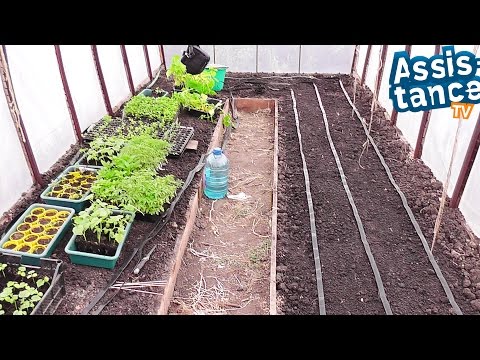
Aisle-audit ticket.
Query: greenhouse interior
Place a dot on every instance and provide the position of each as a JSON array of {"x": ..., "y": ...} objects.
[{"x": 240, "y": 180}]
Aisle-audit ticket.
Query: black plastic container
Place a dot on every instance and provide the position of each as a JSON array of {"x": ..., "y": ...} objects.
[{"x": 53, "y": 297}]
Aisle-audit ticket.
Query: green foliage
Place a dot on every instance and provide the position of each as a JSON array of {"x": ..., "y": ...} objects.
[
  {"x": 103, "y": 149},
  {"x": 196, "y": 101},
  {"x": 227, "y": 120},
  {"x": 2, "y": 268},
  {"x": 21, "y": 294},
  {"x": 178, "y": 70},
  {"x": 142, "y": 189},
  {"x": 163, "y": 109},
  {"x": 144, "y": 151},
  {"x": 22, "y": 271},
  {"x": 100, "y": 219},
  {"x": 202, "y": 83},
  {"x": 107, "y": 119}
]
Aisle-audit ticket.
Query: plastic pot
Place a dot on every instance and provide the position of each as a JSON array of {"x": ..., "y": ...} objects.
[{"x": 96, "y": 260}]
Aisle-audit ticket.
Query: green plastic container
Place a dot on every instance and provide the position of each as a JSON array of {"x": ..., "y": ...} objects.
[
  {"x": 219, "y": 76},
  {"x": 79, "y": 204},
  {"x": 34, "y": 259},
  {"x": 95, "y": 260}
]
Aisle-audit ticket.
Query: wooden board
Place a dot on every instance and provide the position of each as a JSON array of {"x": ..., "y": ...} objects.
[
  {"x": 273, "y": 246},
  {"x": 182, "y": 239}
]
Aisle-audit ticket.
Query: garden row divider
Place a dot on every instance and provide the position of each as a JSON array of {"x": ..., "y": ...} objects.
[
  {"x": 311, "y": 213},
  {"x": 415, "y": 224},
  {"x": 182, "y": 240},
  {"x": 254, "y": 104},
  {"x": 361, "y": 230}
]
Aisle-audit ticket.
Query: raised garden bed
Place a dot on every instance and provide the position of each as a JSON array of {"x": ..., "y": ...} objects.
[
  {"x": 71, "y": 187},
  {"x": 26, "y": 289},
  {"x": 37, "y": 232}
]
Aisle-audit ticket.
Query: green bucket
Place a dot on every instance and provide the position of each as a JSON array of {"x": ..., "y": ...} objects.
[{"x": 219, "y": 76}]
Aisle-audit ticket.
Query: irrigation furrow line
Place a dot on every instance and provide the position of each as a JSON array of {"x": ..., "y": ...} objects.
[
  {"x": 415, "y": 224},
  {"x": 313, "y": 228},
  {"x": 361, "y": 230}
]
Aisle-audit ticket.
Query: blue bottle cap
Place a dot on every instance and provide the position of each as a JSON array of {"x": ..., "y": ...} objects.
[{"x": 217, "y": 151}]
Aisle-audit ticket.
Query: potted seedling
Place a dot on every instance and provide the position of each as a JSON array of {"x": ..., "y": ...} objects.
[
  {"x": 199, "y": 104},
  {"x": 22, "y": 288},
  {"x": 99, "y": 234}
]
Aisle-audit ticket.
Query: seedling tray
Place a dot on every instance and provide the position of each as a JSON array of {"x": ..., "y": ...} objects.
[
  {"x": 96, "y": 260},
  {"x": 55, "y": 294},
  {"x": 34, "y": 259},
  {"x": 79, "y": 204},
  {"x": 181, "y": 139}
]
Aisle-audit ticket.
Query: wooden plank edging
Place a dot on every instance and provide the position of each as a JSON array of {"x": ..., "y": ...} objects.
[
  {"x": 273, "y": 245},
  {"x": 182, "y": 240}
]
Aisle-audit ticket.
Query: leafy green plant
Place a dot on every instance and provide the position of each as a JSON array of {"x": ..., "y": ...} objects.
[
  {"x": 146, "y": 151},
  {"x": 163, "y": 109},
  {"x": 103, "y": 149},
  {"x": 22, "y": 271},
  {"x": 2, "y": 268},
  {"x": 142, "y": 189},
  {"x": 196, "y": 101},
  {"x": 107, "y": 119},
  {"x": 99, "y": 219},
  {"x": 202, "y": 83},
  {"x": 227, "y": 120},
  {"x": 22, "y": 295}
]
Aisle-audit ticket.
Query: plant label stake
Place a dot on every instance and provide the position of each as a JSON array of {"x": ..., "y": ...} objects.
[{"x": 143, "y": 261}]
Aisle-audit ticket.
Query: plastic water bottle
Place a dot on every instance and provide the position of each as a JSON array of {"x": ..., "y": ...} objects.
[{"x": 216, "y": 175}]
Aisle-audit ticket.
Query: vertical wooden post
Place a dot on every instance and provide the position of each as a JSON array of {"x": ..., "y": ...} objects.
[
  {"x": 467, "y": 165},
  {"x": 68, "y": 96},
  {"x": 393, "y": 119},
  {"x": 127, "y": 69},
  {"x": 365, "y": 66},
  {"x": 383, "y": 56},
  {"x": 162, "y": 57},
  {"x": 355, "y": 59},
  {"x": 147, "y": 62},
  {"x": 101, "y": 79},
  {"x": 17, "y": 118},
  {"x": 422, "y": 132}
]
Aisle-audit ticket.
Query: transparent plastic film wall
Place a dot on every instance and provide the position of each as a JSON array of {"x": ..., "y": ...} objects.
[
  {"x": 439, "y": 139},
  {"x": 35, "y": 75}
]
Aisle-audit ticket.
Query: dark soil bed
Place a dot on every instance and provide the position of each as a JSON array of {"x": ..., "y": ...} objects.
[{"x": 408, "y": 277}]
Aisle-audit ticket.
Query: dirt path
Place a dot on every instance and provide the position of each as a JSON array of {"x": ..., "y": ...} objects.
[{"x": 226, "y": 267}]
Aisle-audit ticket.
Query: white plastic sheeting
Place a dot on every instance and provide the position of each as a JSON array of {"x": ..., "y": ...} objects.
[
  {"x": 330, "y": 59},
  {"x": 83, "y": 82},
  {"x": 40, "y": 96},
  {"x": 154, "y": 56},
  {"x": 276, "y": 58},
  {"x": 113, "y": 72},
  {"x": 440, "y": 135},
  {"x": 41, "y": 100},
  {"x": 15, "y": 177},
  {"x": 136, "y": 61}
]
